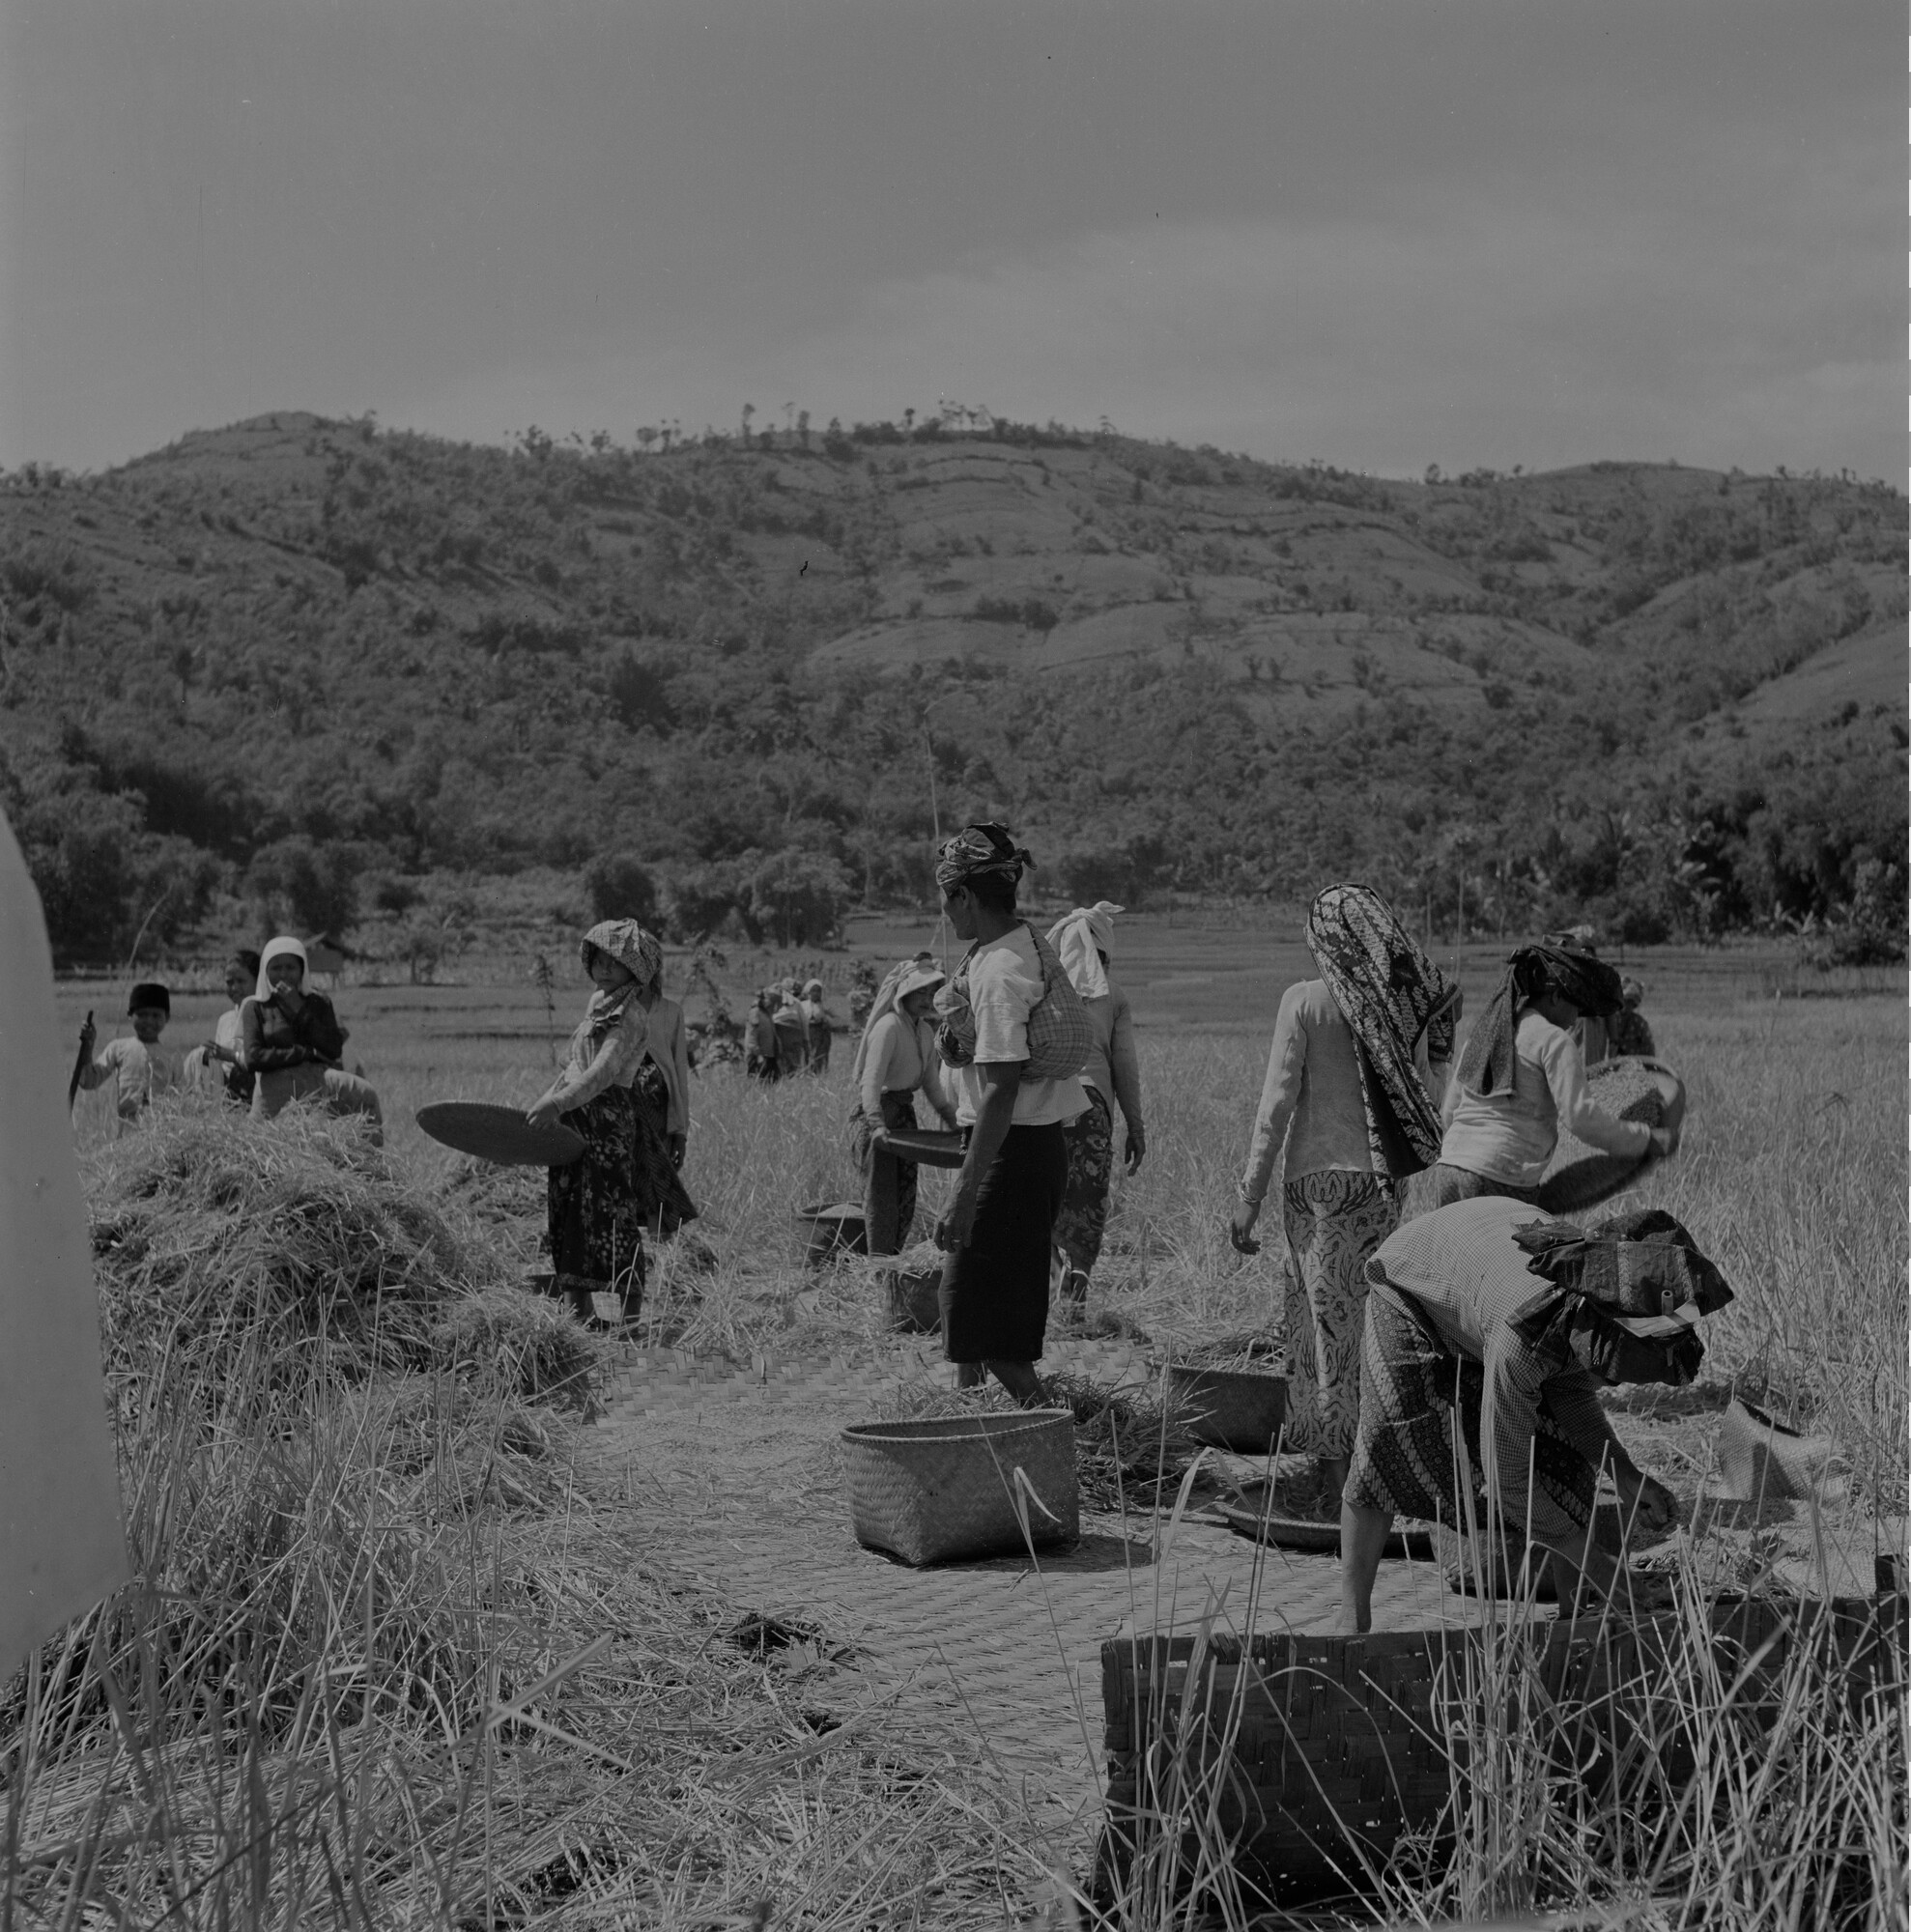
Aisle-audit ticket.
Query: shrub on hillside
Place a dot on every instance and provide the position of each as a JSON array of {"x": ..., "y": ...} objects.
[
  {"x": 313, "y": 883},
  {"x": 619, "y": 887}
]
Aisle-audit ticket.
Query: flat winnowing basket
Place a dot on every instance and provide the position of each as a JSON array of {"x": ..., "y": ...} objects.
[
  {"x": 1580, "y": 1177},
  {"x": 945, "y": 1487}
]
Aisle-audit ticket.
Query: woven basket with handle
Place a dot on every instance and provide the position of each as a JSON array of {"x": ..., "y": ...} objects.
[
  {"x": 952, "y": 1485},
  {"x": 1317, "y": 1755}
]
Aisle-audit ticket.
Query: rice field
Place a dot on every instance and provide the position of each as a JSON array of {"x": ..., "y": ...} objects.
[{"x": 390, "y": 1652}]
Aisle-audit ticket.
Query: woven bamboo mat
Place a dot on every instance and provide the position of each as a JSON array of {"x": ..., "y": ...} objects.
[{"x": 738, "y": 1491}]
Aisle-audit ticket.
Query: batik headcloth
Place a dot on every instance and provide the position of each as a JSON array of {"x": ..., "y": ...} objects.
[
  {"x": 638, "y": 952},
  {"x": 1531, "y": 973},
  {"x": 985, "y": 851},
  {"x": 1391, "y": 994}
]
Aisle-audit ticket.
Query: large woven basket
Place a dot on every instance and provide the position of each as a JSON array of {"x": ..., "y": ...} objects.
[
  {"x": 952, "y": 1486},
  {"x": 1316, "y": 1756},
  {"x": 1580, "y": 1177},
  {"x": 1233, "y": 1409}
]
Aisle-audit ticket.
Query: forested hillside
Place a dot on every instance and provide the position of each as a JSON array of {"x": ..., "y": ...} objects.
[{"x": 333, "y": 670}]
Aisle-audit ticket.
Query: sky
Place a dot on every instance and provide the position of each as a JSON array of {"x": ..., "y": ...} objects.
[{"x": 1383, "y": 233}]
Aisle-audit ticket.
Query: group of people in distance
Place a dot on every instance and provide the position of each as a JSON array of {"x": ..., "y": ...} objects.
[
  {"x": 788, "y": 1031},
  {"x": 279, "y": 1040}
]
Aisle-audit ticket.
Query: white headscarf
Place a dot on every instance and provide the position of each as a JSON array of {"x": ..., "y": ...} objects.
[
  {"x": 277, "y": 950},
  {"x": 898, "y": 983},
  {"x": 1079, "y": 939}
]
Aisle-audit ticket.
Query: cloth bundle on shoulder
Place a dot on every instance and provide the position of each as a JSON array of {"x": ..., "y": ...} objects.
[
  {"x": 1060, "y": 1034},
  {"x": 1628, "y": 1290}
]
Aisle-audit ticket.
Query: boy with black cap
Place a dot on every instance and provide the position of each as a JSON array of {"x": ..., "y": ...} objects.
[{"x": 140, "y": 1066}]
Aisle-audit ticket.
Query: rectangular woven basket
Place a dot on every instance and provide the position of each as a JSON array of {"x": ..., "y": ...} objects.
[
  {"x": 951, "y": 1486},
  {"x": 1317, "y": 1755}
]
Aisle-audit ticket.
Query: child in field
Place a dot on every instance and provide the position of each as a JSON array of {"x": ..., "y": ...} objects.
[
  {"x": 139, "y": 1067},
  {"x": 224, "y": 1054}
]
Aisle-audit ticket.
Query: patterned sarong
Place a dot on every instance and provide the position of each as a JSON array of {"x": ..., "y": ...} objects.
[
  {"x": 1334, "y": 1220},
  {"x": 1413, "y": 1390},
  {"x": 1090, "y": 1138}
]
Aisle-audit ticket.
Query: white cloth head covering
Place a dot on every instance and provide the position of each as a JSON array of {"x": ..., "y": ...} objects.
[
  {"x": 277, "y": 949},
  {"x": 898, "y": 983},
  {"x": 1080, "y": 938}
]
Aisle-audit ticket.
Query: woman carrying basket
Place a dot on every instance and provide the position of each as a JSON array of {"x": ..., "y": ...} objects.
[
  {"x": 1015, "y": 1035},
  {"x": 1354, "y": 1078},
  {"x": 1522, "y": 1078},
  {"x": 594, "y": 1216}
]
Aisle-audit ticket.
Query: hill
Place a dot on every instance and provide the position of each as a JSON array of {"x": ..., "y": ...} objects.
[{"x": 334, "y": 669}]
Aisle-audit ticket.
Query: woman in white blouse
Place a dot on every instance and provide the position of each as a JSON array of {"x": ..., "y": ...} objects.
[{"x": 896, "y": 1059}]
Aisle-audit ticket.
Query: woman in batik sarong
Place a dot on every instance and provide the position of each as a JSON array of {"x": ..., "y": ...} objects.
[
  {"x": 1111, "y": 1078},
  {"x": 661, "y": 1091},
  {"x": 1490, "y": 1324},
  {"x": 1351, "y": 1092},
  {"x": 594, "y": 1221}
]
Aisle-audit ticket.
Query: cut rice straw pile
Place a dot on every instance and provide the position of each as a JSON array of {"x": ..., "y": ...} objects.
[{"x": 386, "y": 1658}]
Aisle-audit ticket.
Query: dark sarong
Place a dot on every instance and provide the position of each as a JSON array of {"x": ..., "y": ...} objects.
[
  {"x": 888, "y": 1184},
  {"x": 1413, "y": 1388},
  {"x": 1090, "y": 1139},
  {"x": 593, "y": 1226},
  {"x": 994, "y": 1293},
  {"x": 663, "y": 1202}
]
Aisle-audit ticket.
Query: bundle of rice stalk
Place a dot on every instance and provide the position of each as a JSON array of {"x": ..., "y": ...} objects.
[{"x": 259, "y": 1255}]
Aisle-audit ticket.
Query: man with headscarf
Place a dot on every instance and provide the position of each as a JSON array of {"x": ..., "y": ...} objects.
[
  {"x": 1492, "y": 1327},
  {"x": 1015, "y": 1036},
  {"x": 1522, "y": 1079},
  {"x": 1082, "y": 940},
  {"x": 1359, "y": 1057}
]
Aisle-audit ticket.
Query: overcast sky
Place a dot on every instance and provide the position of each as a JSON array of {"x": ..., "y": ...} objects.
[{"x": 1384, "y": 233}]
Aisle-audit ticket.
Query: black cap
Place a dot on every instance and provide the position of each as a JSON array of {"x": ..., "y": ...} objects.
[{"x": 150, "y": 993}]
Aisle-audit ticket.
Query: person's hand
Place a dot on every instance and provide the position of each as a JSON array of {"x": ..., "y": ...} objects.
[
  {"x": 1651, "y": 1506},
  {"x": 88, "y": 1034},
  {"x": 544, "y": 1114},
  {"x": 957, "y": 1221},
  {"x": 948, "y": 1120},
  {"x": 212, "y": 1050},
  {"x": 1240, "y": 1227},
  {"x": 1136, "y": 1150},
  {"x": 678, "y": 1145}
]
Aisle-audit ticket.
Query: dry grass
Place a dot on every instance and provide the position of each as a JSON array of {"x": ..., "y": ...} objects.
[
  {"x": 391, "y": 1660},
  {"x": 388, "y": 1658}
]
